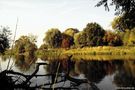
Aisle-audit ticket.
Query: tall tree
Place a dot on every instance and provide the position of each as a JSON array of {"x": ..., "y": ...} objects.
[
  {"x": 94, "y": 33},
  {"x": 4, "y": 38},
  {"x": 53, "y": 38}
]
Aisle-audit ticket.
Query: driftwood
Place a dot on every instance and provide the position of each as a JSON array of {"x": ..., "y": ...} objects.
[{"x": 26, "y": 83}]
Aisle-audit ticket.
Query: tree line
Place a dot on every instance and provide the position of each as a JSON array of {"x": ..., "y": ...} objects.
[{"x": 92, "y": 35}]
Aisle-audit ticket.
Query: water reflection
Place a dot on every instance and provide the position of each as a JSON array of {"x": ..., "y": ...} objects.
[
  {"x": 24, "y": 63},
  {"x": 80, "y": 73},
  {"x": 125, "y": 75},
  {"x": 95, "y": 71}
]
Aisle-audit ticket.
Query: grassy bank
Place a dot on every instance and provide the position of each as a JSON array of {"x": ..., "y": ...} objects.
[{"x": 105, "y": 50}]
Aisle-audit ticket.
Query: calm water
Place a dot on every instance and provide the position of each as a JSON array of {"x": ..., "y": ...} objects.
[{"x": 104, "y": 74}]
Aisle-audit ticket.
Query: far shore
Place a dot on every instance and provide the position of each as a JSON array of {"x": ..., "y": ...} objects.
[{"x": 100, "y": 50}]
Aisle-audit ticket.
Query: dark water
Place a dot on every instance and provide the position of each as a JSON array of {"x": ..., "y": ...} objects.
[{"x": 103, "y": 74}]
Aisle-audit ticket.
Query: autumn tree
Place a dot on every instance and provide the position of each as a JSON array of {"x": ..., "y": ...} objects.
[
  {"x": 4, "y": 38},
  {"x": 24, "y": 45},
  {"x": 67, "y": 41},
  {"x": 112, "y": 39},
  {"x": 68, "y": 37},
  {"x": 53, "y": 38},
  {"x": 94, "y": 34}
]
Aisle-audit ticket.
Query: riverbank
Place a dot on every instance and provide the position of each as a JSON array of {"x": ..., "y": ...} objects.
[{"x": 100, "y": 50}]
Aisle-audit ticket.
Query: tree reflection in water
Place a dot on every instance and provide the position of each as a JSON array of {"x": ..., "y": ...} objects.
[
  {"x": 125, "y": 75},
  {"x": 25, "y": 63},
  {"x": 67, "y": 68},
  {"x": 78, "y": 74},
  {"x": 94, "y": 71}
]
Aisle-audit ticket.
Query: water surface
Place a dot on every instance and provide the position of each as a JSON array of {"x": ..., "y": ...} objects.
[{"x": 104, "y": 74}]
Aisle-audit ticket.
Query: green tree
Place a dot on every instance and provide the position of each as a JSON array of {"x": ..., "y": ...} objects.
[
  {"x": 53, "y": 38},
  {"x": 126, "y": 10},
  {"x": 4, "y": 38},
  {"x": 71, "y": 31},
  {"x": 122, "y": 23},
  {"x": 94, "y": 33},
  {"x": 116, "y": 24},
  {"x": 80, "y": 39},
  {"x": 126, "y": 36},
  {"x": 131, "y": 40}
]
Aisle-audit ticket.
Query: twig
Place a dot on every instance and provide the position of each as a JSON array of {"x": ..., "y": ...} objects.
[
  {"x": 56, "y": 76},
  {"x": 12, "y": 44}
]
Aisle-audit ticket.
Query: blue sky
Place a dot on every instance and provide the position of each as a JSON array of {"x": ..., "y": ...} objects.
[{"x": 37, "y": 16}]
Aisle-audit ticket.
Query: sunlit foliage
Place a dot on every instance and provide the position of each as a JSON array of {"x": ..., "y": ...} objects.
[
  {"x": 80, "y": 39},
  {"x": 24, "y": 45},
  {"x": 71, "y": 31}
]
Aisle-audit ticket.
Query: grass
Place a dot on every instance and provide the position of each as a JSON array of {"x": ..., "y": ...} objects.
[
  {"x": 89, "y": 53},
  {"x": 105, "y": 50},
  {"x": 103, "y": 57},
  {"x": 100, "y": 50}
]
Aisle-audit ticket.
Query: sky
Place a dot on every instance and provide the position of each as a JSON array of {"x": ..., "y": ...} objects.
[{"x": 37, "y": 16}]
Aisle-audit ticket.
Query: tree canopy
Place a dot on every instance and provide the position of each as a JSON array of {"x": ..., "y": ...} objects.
[
  {"x": 71, "y": 31},
  {"x": 80, "y": 39},
  {"x": 24, "y": 45},
  {"x": 53, "y": 38},
  {"x": 94, "y": 34},
  {"x": 121, "y": 6},
  {"x": 124, "y": 8}
]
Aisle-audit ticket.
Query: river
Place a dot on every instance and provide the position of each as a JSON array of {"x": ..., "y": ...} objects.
[{"x": 103, "y": 74}]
